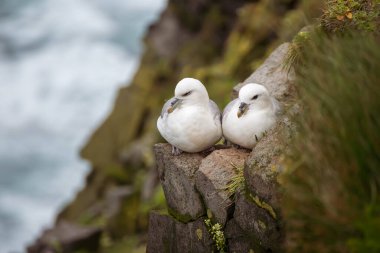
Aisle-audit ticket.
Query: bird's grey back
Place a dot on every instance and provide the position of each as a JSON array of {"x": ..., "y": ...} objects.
[
  {"x": 215, "y": 111},
  {"x": 166, "y": 107}
]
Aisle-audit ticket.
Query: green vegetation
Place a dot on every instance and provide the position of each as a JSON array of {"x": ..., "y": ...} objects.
[
  {"x": 236, "y": 183},
  {"x": 332, "y": 188},
  {"x": 217, "y": 235},
  {"x": 332, "y": 192},
  {"x": 343, "y": 16},
  {"x": 296, "y": 49}
]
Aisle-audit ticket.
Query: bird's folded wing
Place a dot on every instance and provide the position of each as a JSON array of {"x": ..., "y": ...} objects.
[
  {"x": 215, "y": 111},
  {"x": 166, "y": 107},
  {"x": 228, "y": 108}
]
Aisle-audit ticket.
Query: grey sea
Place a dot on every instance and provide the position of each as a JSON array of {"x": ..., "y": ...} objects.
[{"x": 61, "y": 64}]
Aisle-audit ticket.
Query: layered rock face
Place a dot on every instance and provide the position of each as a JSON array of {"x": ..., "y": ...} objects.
[{"x": 235, "y": 188}]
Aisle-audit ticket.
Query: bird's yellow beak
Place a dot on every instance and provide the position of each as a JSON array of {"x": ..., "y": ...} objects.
[{"x": 242, "y": 109}]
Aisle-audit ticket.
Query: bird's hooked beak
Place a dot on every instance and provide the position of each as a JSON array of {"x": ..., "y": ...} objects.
[
  {"x": 176, "y": 102},
  {"x": 242, "y": 109}
]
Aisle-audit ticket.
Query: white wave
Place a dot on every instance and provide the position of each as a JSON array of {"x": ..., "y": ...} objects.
[{"x": 61, "y": 63}]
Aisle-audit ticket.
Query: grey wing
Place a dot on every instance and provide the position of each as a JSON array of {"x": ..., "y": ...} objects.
[
  {"x": 215, "y": 110},
  {"x": 228, "y": 108},
  {"x": 166, "y": 107}
]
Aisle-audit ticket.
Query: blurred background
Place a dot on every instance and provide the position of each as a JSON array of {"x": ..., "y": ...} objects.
[
  {"x": 85, "y": 80},
  {"x": 61, "y": 63}
]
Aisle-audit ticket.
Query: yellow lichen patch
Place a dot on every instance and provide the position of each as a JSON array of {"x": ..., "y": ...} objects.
[
  {"x": 199, "y": 233},
  {"x": 251, "y": 251},
  {"x": 262, "y": 225},
  {"x": 209, "y": 213},
  {"x": 263, "y": 205}
]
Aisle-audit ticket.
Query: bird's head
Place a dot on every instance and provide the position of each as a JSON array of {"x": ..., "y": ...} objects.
[
  {"x": 253, "y": 96},
  {"x": 189, "y": 91}
]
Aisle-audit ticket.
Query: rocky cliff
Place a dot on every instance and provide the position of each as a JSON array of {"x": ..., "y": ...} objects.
[
  {"x": 220, "y": 43},
  {"x": 228, "y": 200}
]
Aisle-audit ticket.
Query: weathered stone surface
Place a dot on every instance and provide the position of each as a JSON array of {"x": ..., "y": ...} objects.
[
  {"x": 273, "y": 75},
  {"x": 259, "y": 221},
  {"x": 213, "y": 177},
  {"x": 238, "y": 241},
  {"x": 169, "y": 235},
  {"x": 160, "y": 233},
  {"x": 176, "y": 174},
  {"x": 66, "y": 237},
  {"x": 265, "y": 163}
]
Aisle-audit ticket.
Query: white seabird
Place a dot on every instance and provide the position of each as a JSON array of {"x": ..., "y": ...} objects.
[
  {"x": 190, "y": 121},
  {"x": 246, "y": 118}
]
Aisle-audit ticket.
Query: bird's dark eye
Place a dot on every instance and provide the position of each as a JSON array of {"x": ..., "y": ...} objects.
[
  {"x": 187, "y": 94},
  {"x": 255, "y": 97}
]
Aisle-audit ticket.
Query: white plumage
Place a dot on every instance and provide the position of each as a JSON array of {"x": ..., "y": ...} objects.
[
  {"x": 190, "y": 121},
  {"x": 246, "y": 118}
]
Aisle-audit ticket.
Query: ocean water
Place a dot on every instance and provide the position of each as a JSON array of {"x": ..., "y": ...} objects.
[{"x": 61, "y": 64}]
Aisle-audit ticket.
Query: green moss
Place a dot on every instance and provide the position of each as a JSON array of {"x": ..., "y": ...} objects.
[
  {"x": 347, "y": 15},
  {"x": 180, "y": 217},
  {"x": 339, "y": 17}
]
